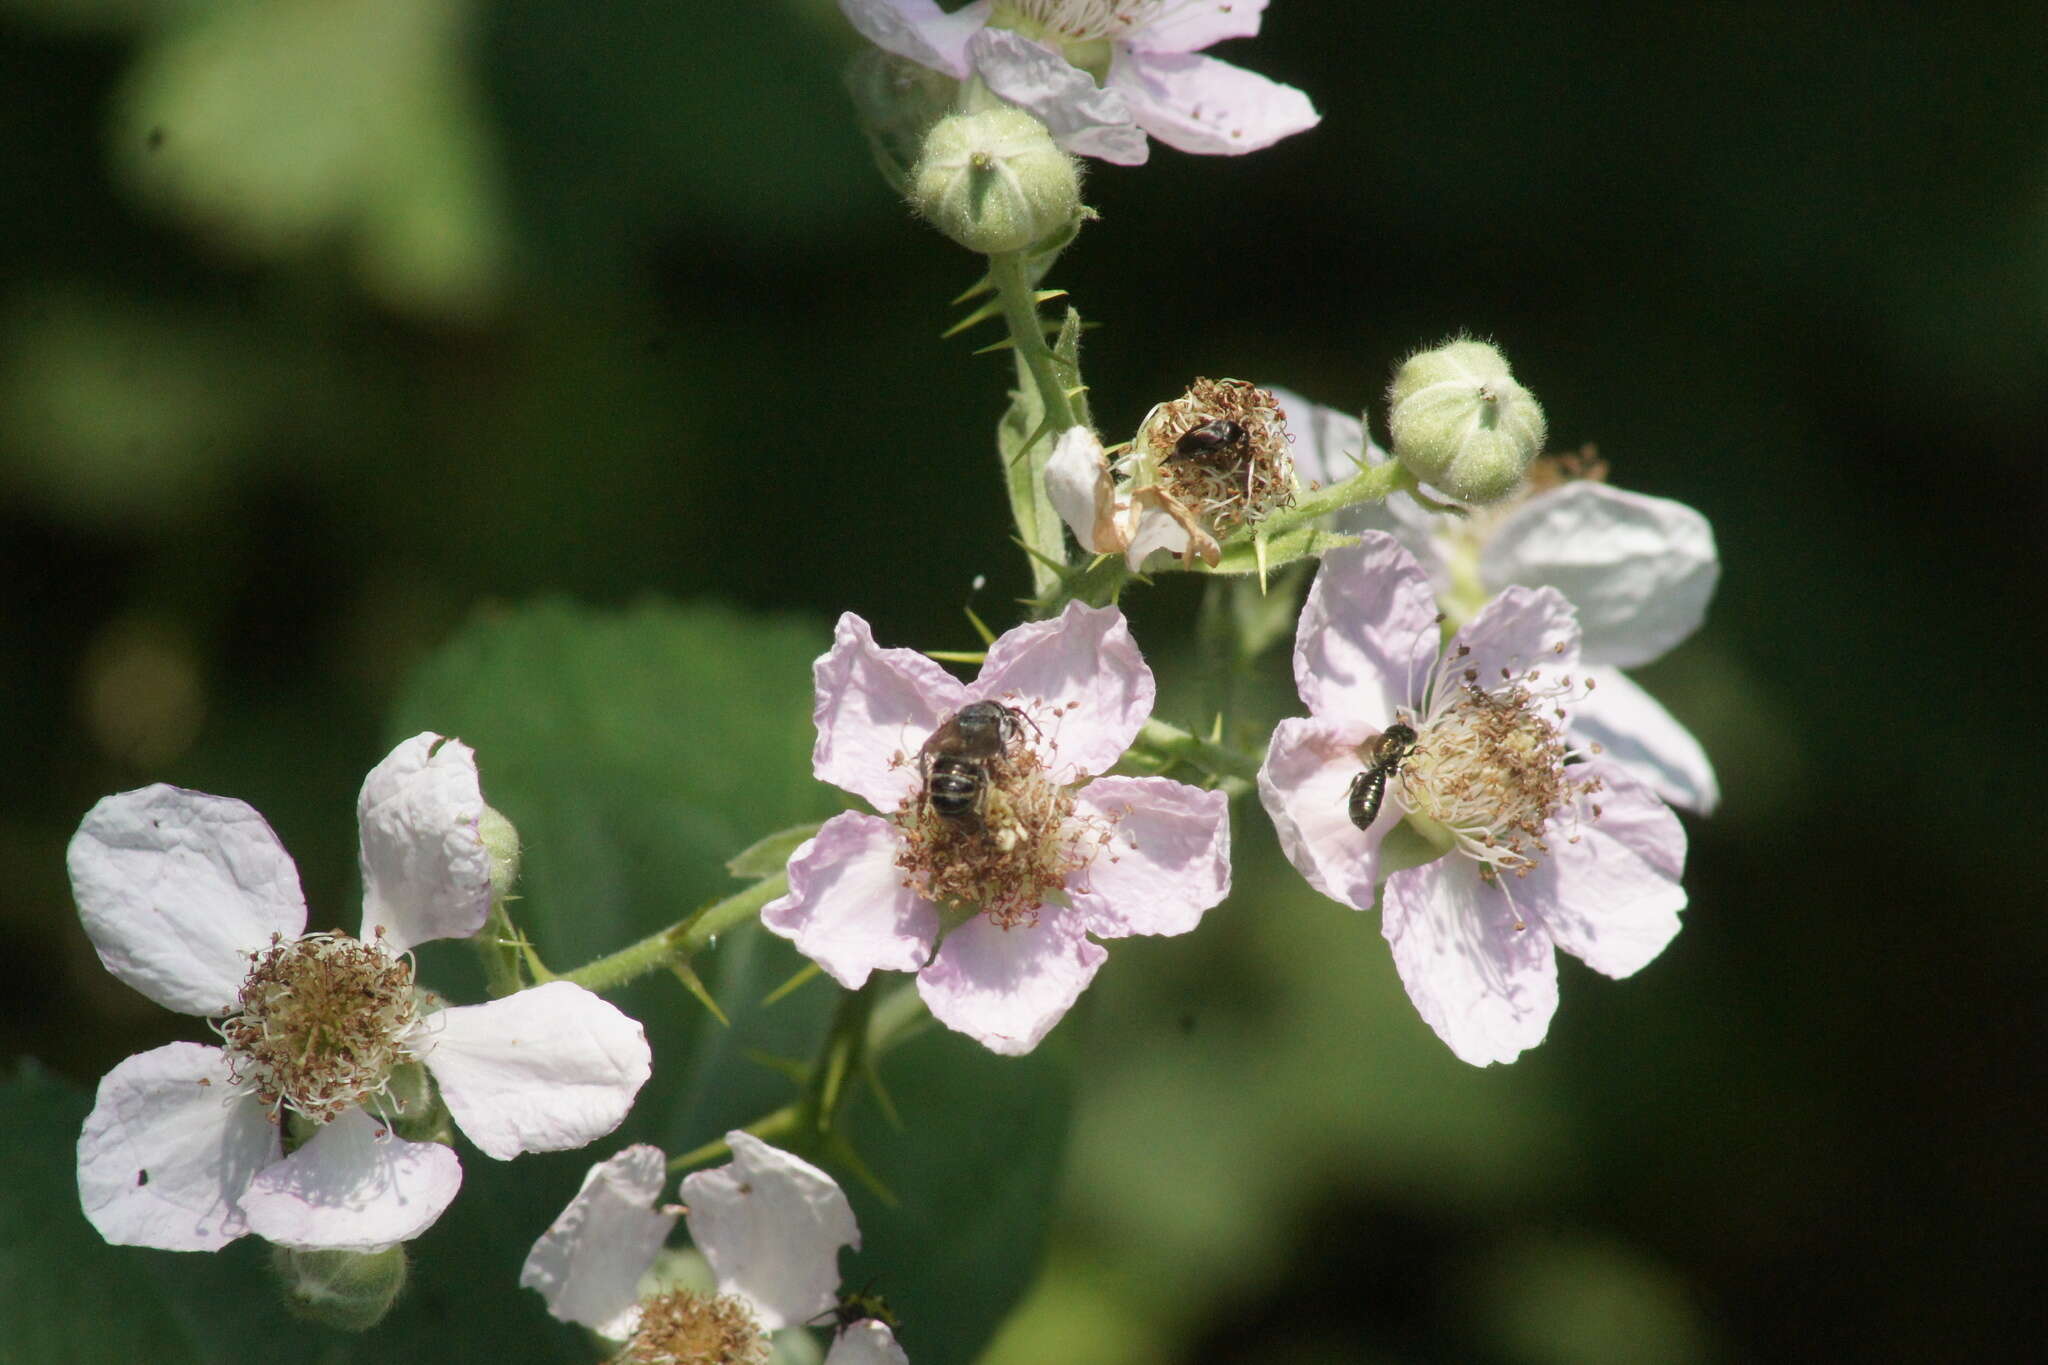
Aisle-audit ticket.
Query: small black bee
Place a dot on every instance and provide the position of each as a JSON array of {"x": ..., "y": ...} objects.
[
  {"x": 1369, "y": 788},
  {"x": 853, "y": 1308},
  {"x": 1209, "y": 440},
  {"x": 954, "y": 761}
]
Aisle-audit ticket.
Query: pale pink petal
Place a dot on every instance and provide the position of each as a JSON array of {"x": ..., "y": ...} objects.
[
  {"x": 1640, "y": 570},
  {"x": 1198, "y": 104},
  {"x": 354, "y": 1186},
  {"x": 1634, "y": 731},
  {"x": 168, "y": 1150},
  {"x": 771, "y": 1225},
  {"x": 176, "y": 888},
  {"x": 847, "y": 909},
  {"x": 875, "y": 708},
  {"x": 1006, "y": 988},
  {"x": 1608, "y": 889},
  {"x": 1080, "y": 678},
  {"x": 1368, "y": 634},
  {"x": 1084, "y": 118},
  {"x": 425, "y": 872},
  {"x": 543, "y": 1070},
  {"x": 919, "y": 30},
  {"x": 1305, "y": 784},
  {"x": 1487, "y": 988},
  {"x": 588, "y": 1264},
  {"x": 1194, "y": 24},
  {"x": 1167, "y": 860},
  {"x": 1519, "y": 630}
]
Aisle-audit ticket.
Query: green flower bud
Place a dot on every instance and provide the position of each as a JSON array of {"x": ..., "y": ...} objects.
[
  {"x": 995, "y": 181},
  {"x": 349, "y": 1290},
  {"x": 1461, "y": 423},
  {"x": 501, "y": 842}
]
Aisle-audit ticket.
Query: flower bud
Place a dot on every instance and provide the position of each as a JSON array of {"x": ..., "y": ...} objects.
[
  {"x": 501, "y": 842},
  {"x": 995, "y": 181},
  {"x": 349, "y": 1290},
  {"x": 1462, "y": 424}
]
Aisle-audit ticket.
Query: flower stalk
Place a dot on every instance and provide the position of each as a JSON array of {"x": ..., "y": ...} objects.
[{"x": 678, "y": 943}]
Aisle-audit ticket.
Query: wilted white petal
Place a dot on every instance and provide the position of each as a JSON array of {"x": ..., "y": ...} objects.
[
  {"x": 354, "y": 1186},
  {"x": 771, "y": 1226},
  {"x": 589, "y": 1262},
  {"x": 426, "y": 874},
  {"x": 544, "y": 1070},
  {"x": 168, "y": 1150},
  {"x": 176, "y": 888}
]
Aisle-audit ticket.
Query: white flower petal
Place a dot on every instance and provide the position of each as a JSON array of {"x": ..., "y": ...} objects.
[
  {"x": 425, "y": 872},
  {"x": 544, "y": 1070},
  {"x": 176, "y": 888},
  {"x": 168, "y": 1150},
  {"x": 588, "y": 1264},
  {"x": 1368, "y": 634},
  {"x": 1487, "y": 989},
  {"x": 875, "y": 709},
  {"x": 771, "y": 1226},
  {"x": 1610, "y": 896},
  {"x": 354, "y": 1186},
  {"x": 1195, "y": 24},
  {"x": 1519, "y": 630},
  {"x": 867, "y": 1342},
  {"x": 1078, "y": 482},
  {"x": 1637, "y": 733},
  {"x": 1168, "y": 859},
  {"x": 1327, "y": 443},
  {"x": 1006, "y": 988},
  {"x": 1640, "y": 570},
  {"x": 1305, "y": 785},
  {"x": 1084, "y": 118},
  {"x": 1153, "y": 529},
  {"x": 1082, "y": 680},
  {"x": 847, "y": 909},
  {"x": 919, "y": 30},
  {"x": 1198, "y": 104}
]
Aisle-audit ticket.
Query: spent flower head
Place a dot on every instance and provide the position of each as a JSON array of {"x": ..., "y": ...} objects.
[
  {"x": 1638, "y": 570},
  {"x": 998, "y": 848},
  {"x": 287, "y": 1129},
  {"x": 1101, "y": 74},
  {"x": 1508, "y": 845},
  {"x": 768, "y": 1224}
]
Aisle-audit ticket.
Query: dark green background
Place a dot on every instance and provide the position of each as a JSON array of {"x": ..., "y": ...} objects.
[{"x": 1787, "y": 265}]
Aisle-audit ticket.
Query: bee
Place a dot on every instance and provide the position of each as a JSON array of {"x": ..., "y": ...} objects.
[
  {"x": 1209, "y": 440},
  {"x": 854, "y": 1308},
  {"x": 1369, "y": 788},
  {"x": 954, "y": 762}
]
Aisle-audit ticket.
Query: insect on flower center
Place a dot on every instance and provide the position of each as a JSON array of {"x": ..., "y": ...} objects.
[
  {"x": 988, "y": 830},
  {"x": 320, "y": 1024},
  {"x": 682, "y": 1327},
  {"x": 1488, "y": 769},
  {"x": 1221, "y": 451}
]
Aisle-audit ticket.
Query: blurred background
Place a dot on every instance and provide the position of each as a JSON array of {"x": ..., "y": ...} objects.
[{"x": 335, "y": 335}]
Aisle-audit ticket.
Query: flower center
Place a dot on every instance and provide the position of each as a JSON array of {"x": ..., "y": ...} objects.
[
  {"x": 1075, "y": 21},
  {"x": 990, "y": 832},
  {"x": 322, "y": 1022},
  {"x": 1220, "y": 450},
  {"x": 1488, "y": 773},
  {"x": 682, "y": 1327}
]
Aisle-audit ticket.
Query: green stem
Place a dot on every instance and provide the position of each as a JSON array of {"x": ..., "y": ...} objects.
[
  {"x": 1373, "y": 483},
  {"x": 1038, "y": 524},
  {"x": 1237, "y": 770},
  {"x": 499, "y": 947},
  {"x": 679, "y": 942}
]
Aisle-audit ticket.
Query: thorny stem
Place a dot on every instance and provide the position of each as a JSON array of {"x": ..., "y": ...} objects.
[
  {"x": 1373, "y": 483},
  {"x": 677, "y": 943},
  {"x": 1038, "y": 525}
]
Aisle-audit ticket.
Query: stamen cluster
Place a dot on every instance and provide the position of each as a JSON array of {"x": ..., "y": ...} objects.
[
  {"x": 1489, "y": 765},
  {"x": 1228, "y": 483},
  {"x": 1082, "y": 20},
  {"x": 323, "y": 1021},
  {"x": 683, "y": 1327},
  {"x": 1010, "y": 859}
]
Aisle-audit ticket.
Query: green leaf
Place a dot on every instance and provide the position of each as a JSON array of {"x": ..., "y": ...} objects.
[{"x": 767, "y": 856}]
